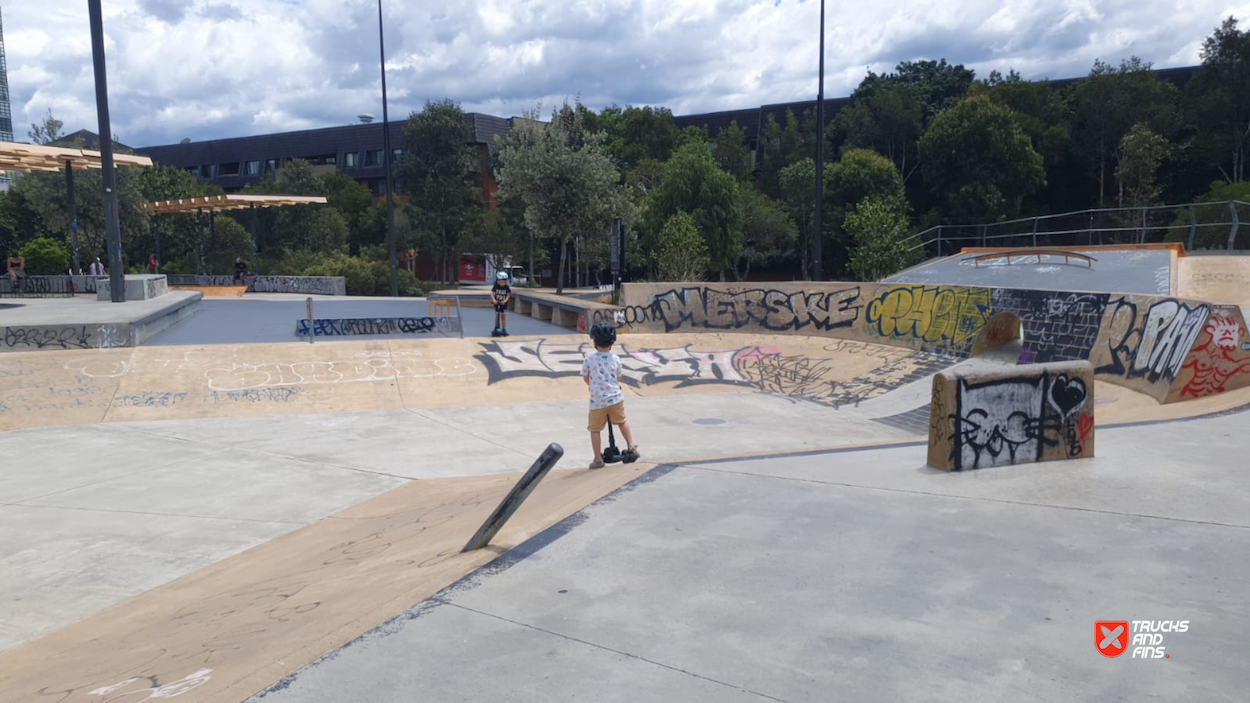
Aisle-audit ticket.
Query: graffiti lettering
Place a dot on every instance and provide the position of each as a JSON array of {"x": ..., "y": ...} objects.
[
  {"x": 150, "y": 400},
  {"x": 128, "y": 690},
  {"x": 275, "y": 395},
  {"x": 313, "y": 285},
  {"x": 1153, "y": 347},
  {"x": 772, "y": 310},
  {"x": 238, "y": 377},
  {"x": 375, "y": 325},
  {"x": 944, "y": 320}
]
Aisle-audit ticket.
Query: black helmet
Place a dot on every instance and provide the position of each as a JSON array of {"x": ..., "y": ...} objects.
[{"x": 603, "y": 333}]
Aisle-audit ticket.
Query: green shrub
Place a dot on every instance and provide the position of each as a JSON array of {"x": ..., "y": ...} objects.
[
  {"x": 359, "y": 274},
  {"x": 45, "y": 257}
]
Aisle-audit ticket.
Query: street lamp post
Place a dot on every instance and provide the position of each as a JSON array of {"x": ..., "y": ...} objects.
[
  {"x": 112, "y": 228},
  {"x": 386, "y": 146},
  {"x": 818, "y": 260}
]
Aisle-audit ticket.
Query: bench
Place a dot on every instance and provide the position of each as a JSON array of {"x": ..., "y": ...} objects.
[{"x": 1039, "y": 253}]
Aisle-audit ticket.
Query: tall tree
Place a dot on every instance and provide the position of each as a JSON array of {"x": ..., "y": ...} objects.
[
  {"x": 636, "y": 133},
  {"x": 694, "y": 184},
  {"x": 47, "y": 130},
  {"x": 1217, "y": 101},
  {"x": 878, "y": 227},
  {"x": 979, "y": 160},
  {"x": 1140, "y": 155},
  {"x": 731, "y": 151},
  {"x": 888, "y": 120},
  {"x": 937, "y": 84},
  {"x": 1108, "y": 103},
  {"x": 768, "y": 232},
  {"x": 438, "y": 172},
  {"x": 567, "y": 182},
  {"x": 798, "y": 184}
]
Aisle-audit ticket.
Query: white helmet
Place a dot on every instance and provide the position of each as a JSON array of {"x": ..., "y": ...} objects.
[{"x": 501, "y": 276}]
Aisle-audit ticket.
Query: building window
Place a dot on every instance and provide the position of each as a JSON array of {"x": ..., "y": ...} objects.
[
  {"x": 230, "y": 169},
  {"x": 206, "y": 171},
  {"x": 350, "y": 159},
  {"x": 252, "y": 168},
  {"x": 396, "y": 154},
  {"x": 373, "y": 158},
  {"x": 271, "y": 165}
]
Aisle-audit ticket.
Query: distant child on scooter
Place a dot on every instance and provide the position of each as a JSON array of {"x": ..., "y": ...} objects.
[
  {"x": 602, "y": 372},
  {"x": 501, "y": 293}
]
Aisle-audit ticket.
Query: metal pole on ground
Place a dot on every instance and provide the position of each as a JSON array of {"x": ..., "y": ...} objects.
[
  {"x": 386, "y": 145},
  {"x": 112, "y": 226},
  {"x": 310, "y": 321},
  {"x": 818, "y": 261},
  {"x": 73, "y": 216},
  {"x": 515, "y": 498},
  {"x": 1232, "y": 234},
  {"x": 460, "y": 316},
  {"x": 1035, "y": 221},
  {"x": 203, "y": 264},
  {"x": 1193, "y": 227}
]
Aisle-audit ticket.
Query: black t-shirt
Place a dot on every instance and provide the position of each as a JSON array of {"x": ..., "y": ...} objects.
[
  {"x": 240, "y": 267},
  {"x": 500, "y": 291}
]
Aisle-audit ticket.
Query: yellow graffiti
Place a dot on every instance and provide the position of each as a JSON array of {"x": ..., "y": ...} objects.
[{"x": 939, "y": 316}]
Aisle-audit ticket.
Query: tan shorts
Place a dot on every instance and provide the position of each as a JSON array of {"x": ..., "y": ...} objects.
[{"x": 600, "y": 417}]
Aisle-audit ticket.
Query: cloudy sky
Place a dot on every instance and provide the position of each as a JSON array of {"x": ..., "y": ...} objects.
[{"x": 205, "y": 69}]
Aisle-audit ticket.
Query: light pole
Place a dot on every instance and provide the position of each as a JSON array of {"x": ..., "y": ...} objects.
[
  {"x": 112, "y": 228},
  {"x": 386, "y": 146},
  {"x": 818, "y": 262}
]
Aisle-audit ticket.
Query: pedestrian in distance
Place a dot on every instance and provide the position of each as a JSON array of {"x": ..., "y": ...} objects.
[
  {"x": 17, "y": 267},
  {"x": 96, "y": 268},
  {"x": 601, "y": 370},
  {"x": 240, "y": 269},
  {"x": 501, "y": 294}
]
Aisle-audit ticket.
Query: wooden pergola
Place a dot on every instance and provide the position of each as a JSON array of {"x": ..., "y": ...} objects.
[
  {"x": 28, "y": 158},
  {"x": 213, "y": 203}
]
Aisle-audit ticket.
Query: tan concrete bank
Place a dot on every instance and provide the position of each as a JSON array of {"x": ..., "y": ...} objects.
[{"x": 234, "y": 628}]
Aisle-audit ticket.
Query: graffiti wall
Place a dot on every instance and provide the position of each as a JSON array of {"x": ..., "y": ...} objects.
[
  {"x": 1168, "y": 348},
  {"x": 310, "y": 285},
  {"x": 155, "y": 383},
  {"x": 982, "y": 416}
]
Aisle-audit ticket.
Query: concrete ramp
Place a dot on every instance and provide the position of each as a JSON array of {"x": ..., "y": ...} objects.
[{"x": 1218, "y": 279}]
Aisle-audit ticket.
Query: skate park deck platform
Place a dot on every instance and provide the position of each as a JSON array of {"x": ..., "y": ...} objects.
[
  {"x": 204, "y": 521},
  {"x": 83, "y": 322},
  {"x": 1115, "y": 270}
]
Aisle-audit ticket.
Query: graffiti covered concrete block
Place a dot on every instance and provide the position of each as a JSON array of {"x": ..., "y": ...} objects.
[
  {"x": 137, "y": 287},
  {"x": 985, "y": 415}
]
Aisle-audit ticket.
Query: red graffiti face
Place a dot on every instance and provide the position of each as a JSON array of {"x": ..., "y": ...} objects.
[{"x": 1224, "y": 331}]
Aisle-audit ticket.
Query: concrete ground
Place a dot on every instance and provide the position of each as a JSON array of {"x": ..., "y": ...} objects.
[
  {"x": 855, "y": 575},
  {"x": 87, "y": 310},
  {"x": 1140, "y": 271},
  {"x": 263, "y": 317}
]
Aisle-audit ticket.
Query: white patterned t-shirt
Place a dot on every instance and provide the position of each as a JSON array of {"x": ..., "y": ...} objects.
[{"x": 604, "y": 370}]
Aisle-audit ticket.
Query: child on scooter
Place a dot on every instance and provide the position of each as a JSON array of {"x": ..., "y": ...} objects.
[{"x": 602, "y": 372}]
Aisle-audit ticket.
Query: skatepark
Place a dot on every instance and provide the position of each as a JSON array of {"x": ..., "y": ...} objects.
[{"x": 198, "y": 503}]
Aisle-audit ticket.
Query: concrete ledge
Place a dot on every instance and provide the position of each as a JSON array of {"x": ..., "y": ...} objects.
[
  {"x": 566, "y": 311},
  {"x": 140, "y": 287},
  {"x": 309, "y": 285},
  {"x": 145, "y": 328},
  {"x": 989, "y": 415}
]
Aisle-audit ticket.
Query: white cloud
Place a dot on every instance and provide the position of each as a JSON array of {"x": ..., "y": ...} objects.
[{"x": 215, "y": 68}]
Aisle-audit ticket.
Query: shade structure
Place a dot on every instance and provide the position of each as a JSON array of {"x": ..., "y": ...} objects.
[
  {"x": 228, "y": 202},
  {"x": 25, "y": 158}
]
